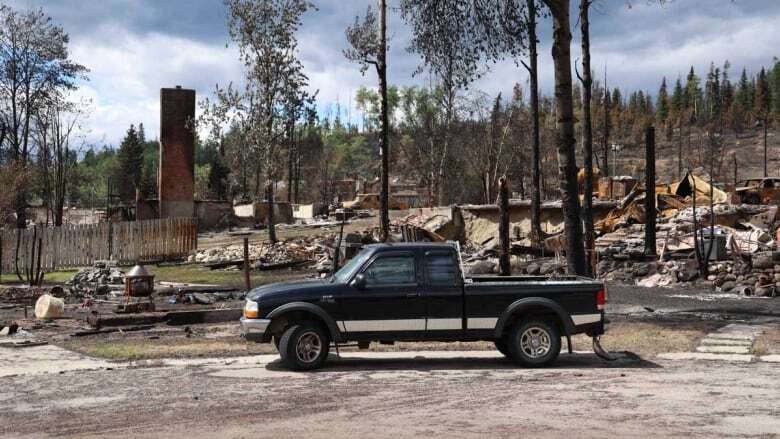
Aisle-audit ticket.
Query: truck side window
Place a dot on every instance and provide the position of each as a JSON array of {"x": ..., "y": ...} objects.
[
  {"x": 441, "y": 270},
  {"x": 391, "y": 270}
]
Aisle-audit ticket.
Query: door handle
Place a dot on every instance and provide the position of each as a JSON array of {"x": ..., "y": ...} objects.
[{"x": 410, "y": 295}]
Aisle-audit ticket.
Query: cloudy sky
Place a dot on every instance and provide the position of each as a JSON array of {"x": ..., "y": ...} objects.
[{"x": 135, "y": 47}]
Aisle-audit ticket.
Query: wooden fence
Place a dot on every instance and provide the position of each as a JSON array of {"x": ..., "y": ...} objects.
[{"x": 81, "y": 245}]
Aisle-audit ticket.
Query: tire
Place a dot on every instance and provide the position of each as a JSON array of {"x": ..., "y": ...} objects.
[
  {"x": 534, "y": 343},
  {"x": 501, "y": 346},
  {"x": 304, "y": 346}
]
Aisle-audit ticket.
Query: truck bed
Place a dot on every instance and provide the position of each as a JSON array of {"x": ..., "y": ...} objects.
[{"x": 528, "y": 278}]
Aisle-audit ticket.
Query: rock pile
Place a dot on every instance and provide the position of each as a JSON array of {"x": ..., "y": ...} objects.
[
  {"x": 101, "y": 273},
  {"x": 724, "y": 276},
  {"x": 100, "y": 279}
]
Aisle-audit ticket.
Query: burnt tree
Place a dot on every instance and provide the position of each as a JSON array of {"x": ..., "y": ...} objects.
[
  {"x": 587, "y": 132},
  {"x": 564, "y": 137},
  {"x": 650, "y": 191},
  {"x": 503, "y": 227}
]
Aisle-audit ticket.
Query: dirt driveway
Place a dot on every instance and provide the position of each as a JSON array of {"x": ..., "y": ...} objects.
[{"x": 432, "y": 394}]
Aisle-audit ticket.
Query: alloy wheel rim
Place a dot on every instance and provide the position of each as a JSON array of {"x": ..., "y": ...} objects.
[
  {"x": 535, "y": 342},
  {"x": 308, "y": 347}
]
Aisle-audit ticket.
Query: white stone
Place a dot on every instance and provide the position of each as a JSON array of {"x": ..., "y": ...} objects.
[
  {"x": 724, "y": 349},
  {"x": 736, "y": 358}
]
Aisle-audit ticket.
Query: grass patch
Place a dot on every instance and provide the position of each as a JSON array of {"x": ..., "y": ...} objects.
[
  {"x": 171, "y": 347},
  {"x": 767, "y": 343},
  {"x": 189, "y": 274},
  {"x": 647, "y": 339}
]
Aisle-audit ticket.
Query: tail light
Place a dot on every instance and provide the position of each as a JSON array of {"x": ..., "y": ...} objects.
[{"x": 601, "y": 299}]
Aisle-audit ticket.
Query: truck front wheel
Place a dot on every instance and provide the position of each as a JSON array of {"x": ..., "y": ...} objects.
[
  {"x": 304, "y": 346},
  {"x": 501, "y": 346},
  {"x": 534, "y": 343}
]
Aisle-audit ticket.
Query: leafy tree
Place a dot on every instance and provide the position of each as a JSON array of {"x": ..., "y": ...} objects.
[
  {"x": 34, "y": 65},
  {"x": 56, "y": 134},
  {"x": 264, "y": 31}
]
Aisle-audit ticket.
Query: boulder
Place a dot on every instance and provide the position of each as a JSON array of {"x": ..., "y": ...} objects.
[
  {"x": 687, "y": 275},
  {"x": 728, "y": 286}
]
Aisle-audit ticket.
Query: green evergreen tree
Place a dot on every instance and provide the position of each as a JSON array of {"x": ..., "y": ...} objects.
[
  {"x": 130, "y": 165},
  {"x": 662, "y": 103},
  {"x": 677, "y": 103},
  {"x": 147, "y": 187},
  {"x": 693, "y": 96},
  {"x": 775, "y": 85}
]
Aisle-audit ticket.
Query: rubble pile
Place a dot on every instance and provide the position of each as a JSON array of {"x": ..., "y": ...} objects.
[
  {"x": 294, "y": 252},
  {"x": 283, "y": 251},
  {"x": 415, "y": 227},
  {"x": 102, "y": 277}
]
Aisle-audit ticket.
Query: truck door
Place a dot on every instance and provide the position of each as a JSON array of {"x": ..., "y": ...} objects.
[
  {"x": 389, "y": 306},
  {"x": 444, "y": 293}
]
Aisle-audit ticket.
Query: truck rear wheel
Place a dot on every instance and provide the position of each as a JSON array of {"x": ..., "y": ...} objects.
[
  {"x": 534, "y": 343},
  {"x": 304, "y": 346}
]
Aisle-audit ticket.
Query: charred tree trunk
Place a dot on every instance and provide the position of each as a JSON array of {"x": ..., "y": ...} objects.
[
  {"x": 533, "y": 73},
  {"x": 766, "y": 174},
  {"x": 605, "y": 146},
  {"x": 587, "y": 134},
  {"x": 290, "y": 163},
  {"x": 384, "y": 142},
  {"x": 503, "y": 227},
  {"x": 567, "y": 165},
  {"x": 650, "y": 192},
  {"x": 679, "y": 152},
  {"x": 269, "y": 197}
]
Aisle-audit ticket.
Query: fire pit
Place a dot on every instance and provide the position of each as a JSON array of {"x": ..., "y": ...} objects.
[{"x": 139, "y": 283}]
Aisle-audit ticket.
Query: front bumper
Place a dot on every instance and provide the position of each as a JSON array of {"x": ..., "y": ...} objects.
[{"x": 254, "y": 329}]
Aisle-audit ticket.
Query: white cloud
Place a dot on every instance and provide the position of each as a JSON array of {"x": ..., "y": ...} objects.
[
  {"x": 131, "y": 59},
  {"x": 128, "y": 70}
]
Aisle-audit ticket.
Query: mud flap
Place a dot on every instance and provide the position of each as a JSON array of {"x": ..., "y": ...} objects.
[{"x": 600, "y": 352}]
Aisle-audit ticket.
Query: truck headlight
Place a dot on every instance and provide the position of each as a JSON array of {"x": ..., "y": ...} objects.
[{"x": 250, "y": 310}]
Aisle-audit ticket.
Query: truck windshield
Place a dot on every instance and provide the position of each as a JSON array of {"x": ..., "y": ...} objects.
[{"x": 345, "y": 272}]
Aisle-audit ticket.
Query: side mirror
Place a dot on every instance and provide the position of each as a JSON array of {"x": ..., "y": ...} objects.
[{"x": 360, "y": 281}]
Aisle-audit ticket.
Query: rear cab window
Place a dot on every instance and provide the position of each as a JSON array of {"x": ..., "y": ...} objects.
[
  {"x": 441, "y": 269},
  {"x": 397, "y": 269}
]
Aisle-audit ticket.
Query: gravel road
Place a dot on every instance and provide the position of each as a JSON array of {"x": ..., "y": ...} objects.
[
  {"x": 383, "y": 395},
  {"x": 632, "y": 299}
]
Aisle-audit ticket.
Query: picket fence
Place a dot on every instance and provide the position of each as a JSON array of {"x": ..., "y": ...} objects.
[{"x": 80, "y": 245}]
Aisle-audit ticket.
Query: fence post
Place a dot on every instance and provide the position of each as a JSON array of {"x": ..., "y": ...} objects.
[{"x": 247, "y": 285}]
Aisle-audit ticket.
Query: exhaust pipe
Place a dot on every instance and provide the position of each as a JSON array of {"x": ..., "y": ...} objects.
[{"x": 600, "y": 352}]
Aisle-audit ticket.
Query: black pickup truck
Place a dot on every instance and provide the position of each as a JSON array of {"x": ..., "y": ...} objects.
[{"x": 417, "y": 292}]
